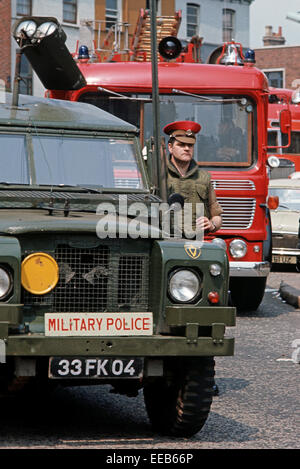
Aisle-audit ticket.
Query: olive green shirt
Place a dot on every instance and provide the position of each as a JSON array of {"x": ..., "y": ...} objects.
[{"x": 195, "y": 187}]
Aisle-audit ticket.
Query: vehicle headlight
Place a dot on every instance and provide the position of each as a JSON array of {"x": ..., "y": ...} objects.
[
  {"x": 5, "y": 283},
  {"x": 215, "y": 269},
  {"x": 238, "y": 248},
  {"x": 46, "y": 29},
  {"x": 184, "y": 285},
  {"x": 28, "y": 26},
  {"x": 273, "y": 161}
]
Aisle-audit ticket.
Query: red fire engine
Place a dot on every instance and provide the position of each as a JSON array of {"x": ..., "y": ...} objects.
[
  {"x": 281, "y": 98},
  {"x": 228, "y": 97}
]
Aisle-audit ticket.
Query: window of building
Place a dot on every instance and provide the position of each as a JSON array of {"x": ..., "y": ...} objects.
[
  {"x": 158, "y": 6},
  {"x": 275, "y": 78},
  {"x": 192, "y": 19},
  {"x": 228, "y": 25},
  {"x": 70, "y": 11},
  {"x": 111, "y": 13},
  {"x": 26, "y": 76},
  {"x": 24, "y": 7}
]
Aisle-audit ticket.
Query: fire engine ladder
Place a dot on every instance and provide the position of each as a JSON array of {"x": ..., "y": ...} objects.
[{"x": 141, "y": 41}]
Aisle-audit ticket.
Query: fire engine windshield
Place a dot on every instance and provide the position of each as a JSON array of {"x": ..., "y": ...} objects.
[
  {"x": 226, "y": 139},
  {"x": 68, "y": 160},
  {"x": 226, "y": 136}
]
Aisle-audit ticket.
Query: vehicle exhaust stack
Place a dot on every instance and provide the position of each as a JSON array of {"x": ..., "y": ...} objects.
[{"x": 42, "y": 40}]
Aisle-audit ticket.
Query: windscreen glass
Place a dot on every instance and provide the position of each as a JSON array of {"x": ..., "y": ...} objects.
[
  {"x": 226, "y": 136},
  {"x": 14, "y": 162},
  {"x": 99, "y": 162}
]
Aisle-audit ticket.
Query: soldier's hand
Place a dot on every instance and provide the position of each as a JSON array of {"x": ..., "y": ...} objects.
[{"x": 203, "y": 223}]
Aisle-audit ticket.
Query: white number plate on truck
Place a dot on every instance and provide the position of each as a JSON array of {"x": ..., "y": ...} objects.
[{"x": 95, "y": 367}]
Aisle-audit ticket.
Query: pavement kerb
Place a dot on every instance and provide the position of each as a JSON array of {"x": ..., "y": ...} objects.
[{"x": 290, "y": 294}]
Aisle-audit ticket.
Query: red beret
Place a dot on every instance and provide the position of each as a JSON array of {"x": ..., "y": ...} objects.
[{"x": 183, "y": 131}]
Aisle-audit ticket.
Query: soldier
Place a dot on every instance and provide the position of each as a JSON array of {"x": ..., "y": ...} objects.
[{"x": 186, "y": 178}]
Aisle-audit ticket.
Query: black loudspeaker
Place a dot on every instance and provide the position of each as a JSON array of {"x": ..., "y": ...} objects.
[{"x": 170, "y": 47}]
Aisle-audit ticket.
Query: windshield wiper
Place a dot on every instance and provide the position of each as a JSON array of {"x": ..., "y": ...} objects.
[
  {"x": 122, "y": 96},
  {"x": 242, "y": 101},
  {"x": 90, "y": 189},
  {"x": 28, "y": 186},
  {"x": 81, "y": 188}
]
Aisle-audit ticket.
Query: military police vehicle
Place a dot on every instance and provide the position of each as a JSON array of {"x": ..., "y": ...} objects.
[
  {"x": 80, "y": 300},
  {"x": 92, "y": 289}
]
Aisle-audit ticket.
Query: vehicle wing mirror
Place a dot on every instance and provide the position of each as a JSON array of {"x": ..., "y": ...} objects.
[{"x": 285, "y": 121}]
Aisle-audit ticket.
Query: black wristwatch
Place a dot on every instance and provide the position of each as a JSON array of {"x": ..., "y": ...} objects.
[{"x": 214, "y": 225}]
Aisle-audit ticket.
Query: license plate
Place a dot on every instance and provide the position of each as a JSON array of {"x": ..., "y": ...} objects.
[
  {"x": 95, "y": 367},
  {"x": 284, "y": 259}
]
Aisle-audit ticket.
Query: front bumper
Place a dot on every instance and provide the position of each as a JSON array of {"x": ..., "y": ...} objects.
[
  {"x": 157, "y": 345},
  {"x": 249, "y": 269},
  {"x": 154, "y": 346},
  {"x": 286, "y": 252}
]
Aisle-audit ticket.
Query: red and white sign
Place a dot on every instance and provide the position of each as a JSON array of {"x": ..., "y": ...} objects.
[{"x": 98, "y": 324}]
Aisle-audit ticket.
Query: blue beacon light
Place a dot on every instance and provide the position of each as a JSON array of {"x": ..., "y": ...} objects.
[
  {"x": 83, "y": 52},
  {"x": 250, "y": 56}
]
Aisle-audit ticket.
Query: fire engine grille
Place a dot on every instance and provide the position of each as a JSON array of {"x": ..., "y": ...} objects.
[
  {"x": 236, "y": 184},
  {"x": 238, "y": 214},
  {"x": 97, "y": 279}
]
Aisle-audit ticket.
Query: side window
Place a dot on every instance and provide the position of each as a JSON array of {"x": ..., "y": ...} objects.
[
  {"x": 272, "y": 139},
  {"x": 111, "y": 13},
  {"x": 295, "y": 143},
  {"x": 275, "y": 78}
]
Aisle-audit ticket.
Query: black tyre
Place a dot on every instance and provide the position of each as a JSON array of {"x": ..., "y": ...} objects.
[
  {"x": 247, "y": 292},
  {"x": 178, "y": 405}
]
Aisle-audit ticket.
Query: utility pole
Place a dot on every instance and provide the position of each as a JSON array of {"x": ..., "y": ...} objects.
[{"x": 155, "y": 96}]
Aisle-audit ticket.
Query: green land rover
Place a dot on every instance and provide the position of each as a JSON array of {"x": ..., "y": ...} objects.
[{"x": 81, "y": 302}]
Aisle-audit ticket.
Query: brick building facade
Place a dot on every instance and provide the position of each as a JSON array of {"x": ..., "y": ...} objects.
[
  {"x": 5, "y": 43},
  {"x": 279, "y": 62},
  {"x": 281, "y": 65}
]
